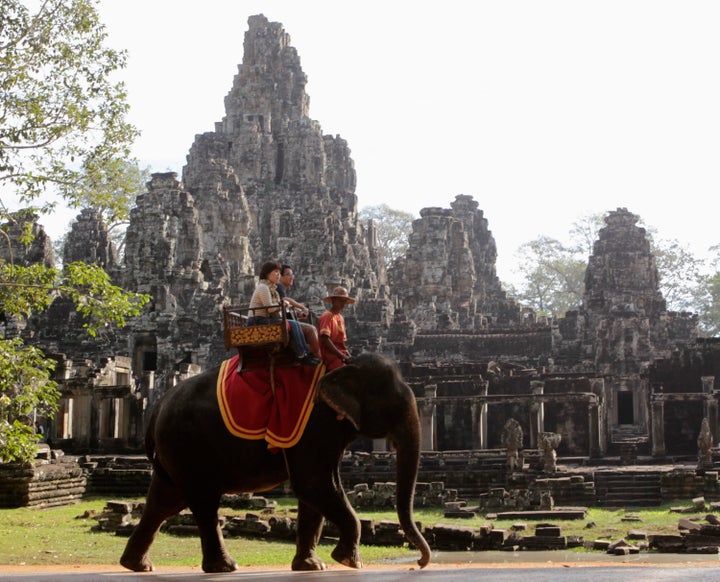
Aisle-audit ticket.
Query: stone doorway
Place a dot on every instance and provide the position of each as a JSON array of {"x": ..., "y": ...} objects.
[{"x": 625, "y": 408}]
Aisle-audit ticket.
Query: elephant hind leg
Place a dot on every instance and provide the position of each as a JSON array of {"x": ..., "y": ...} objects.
[
  {"x": 163, "y": 501},
  {"x": 309, "y": 528},
  {"x": 204, "y": 507}
]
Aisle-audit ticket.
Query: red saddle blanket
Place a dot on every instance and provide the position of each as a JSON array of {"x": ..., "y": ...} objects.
[{"x": 253, "y": 409}]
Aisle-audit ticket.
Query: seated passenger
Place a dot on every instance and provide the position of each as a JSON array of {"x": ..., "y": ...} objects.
[
  {"x": 265, "y": 296},
  {"x": 287, "y": 278}
]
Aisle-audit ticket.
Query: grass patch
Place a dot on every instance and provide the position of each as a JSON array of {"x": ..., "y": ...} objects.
[{"x": 59, "y": 536}]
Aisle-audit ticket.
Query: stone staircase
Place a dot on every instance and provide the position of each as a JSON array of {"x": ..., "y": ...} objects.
[{"x": 622, "y": 488}]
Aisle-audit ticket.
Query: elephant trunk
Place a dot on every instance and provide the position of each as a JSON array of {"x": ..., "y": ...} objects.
[{"x": 407, "y": 446}]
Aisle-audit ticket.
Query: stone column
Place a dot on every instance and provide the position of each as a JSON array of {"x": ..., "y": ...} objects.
[
  {"x": 63, "y": 422},
  {"x": 103, "y": 415},
  {"x": 537, "y": 414},
  {"x": 148, "y": 383},
  {"x": 595, "y": 451},
  {"x": 427, "y": 419},
  {"x": 710, "y": 408},
  {"x": 482, "y": 418},
  {"x": 84, "y": 419},
  {"x": 126, "y": 406},
  {"x": 657, "y": 409},
  {"x": 597, "y": 387}
]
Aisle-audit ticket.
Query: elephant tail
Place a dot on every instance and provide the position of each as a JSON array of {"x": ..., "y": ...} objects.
[
  {"x": 150, "y": 434},
  {"x": 150, "y": 445}
]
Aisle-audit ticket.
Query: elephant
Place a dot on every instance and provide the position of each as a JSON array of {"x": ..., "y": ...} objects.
[{"x": 196, "y": 460}]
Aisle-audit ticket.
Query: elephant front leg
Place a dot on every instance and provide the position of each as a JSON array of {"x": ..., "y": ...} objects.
[
  {"x": 333, "y": 504},
  {"x": 309, "y": 529},
  {"x": 347, "y": 551}
]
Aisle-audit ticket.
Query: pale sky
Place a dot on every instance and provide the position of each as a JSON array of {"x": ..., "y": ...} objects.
[{"x": 543, "y": 111}]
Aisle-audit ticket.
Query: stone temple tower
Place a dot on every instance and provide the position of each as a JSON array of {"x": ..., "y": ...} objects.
[
  {"x": 268, "y": 183},
  {"x": 448, "y": 278},
  {"x": 622, "y": 301}
]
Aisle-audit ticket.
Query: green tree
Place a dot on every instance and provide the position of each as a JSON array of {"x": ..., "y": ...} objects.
[
  {"x": 63, "y": 137},
  {"x": 680, "y": 273},
  {"x": 114, "y": 205},
  {"x": 710, "y": 307},
  {"x": 63, "y": 123},
  {"x": 584, "y": 232},
  {"x": 554, "y": 273},
  {"x": 553, "y": 276},
  {"x": 707, "y": 297},
  {"x": 25, "y": 389},
  {"x": 393, "y": 229}
]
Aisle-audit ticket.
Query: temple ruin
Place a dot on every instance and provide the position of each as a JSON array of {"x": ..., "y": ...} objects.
[{"x": 621, "y": 376}]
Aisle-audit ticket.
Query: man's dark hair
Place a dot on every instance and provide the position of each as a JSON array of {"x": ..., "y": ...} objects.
[{"x": 285, "y": 268}]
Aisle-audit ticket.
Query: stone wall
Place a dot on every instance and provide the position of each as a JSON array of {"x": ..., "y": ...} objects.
[{"x": 41, "y": 484}]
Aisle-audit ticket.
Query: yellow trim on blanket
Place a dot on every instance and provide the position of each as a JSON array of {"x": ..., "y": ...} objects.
[
  {"x": 262, "y": 433},
  {"x": 292, "y": 440},
  {"x": 254, "y": 435}
]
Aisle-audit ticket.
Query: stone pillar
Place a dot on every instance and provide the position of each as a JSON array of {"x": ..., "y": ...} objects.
[
  {"x": 597, "y": 387},
  {"x": 595, "y": 451},
  {"x": 657, "y": 409},
  {"x": 427, "y": 419},
  {"x": 103, "y": 415},
  {"x": 482, "y": 418},
  {"x": 84, "y": 420},
  {"x": 126, "y": 406},
  {"x": 62, "y": 424},
  {"x": 710, "y": 408},
  {"x": 537, "y": 414}
]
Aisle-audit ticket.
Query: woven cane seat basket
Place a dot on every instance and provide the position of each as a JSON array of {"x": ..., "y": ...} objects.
[{"x": 237, "y": 333}]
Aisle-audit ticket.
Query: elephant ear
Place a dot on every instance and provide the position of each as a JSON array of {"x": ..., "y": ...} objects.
[{"x": 339, "y": 389}]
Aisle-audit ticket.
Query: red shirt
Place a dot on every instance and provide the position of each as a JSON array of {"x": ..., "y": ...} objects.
[{"x": 332, "y": 325}]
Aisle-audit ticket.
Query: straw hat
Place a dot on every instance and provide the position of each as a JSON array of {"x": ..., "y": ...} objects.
[{"x": 340, "y": 293}]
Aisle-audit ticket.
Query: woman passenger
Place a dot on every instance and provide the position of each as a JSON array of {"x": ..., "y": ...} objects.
[{"x": 265, "y": 296}]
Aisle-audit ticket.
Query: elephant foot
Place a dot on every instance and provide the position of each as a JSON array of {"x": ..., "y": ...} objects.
[
  {"x": 136, "y": 565},
  {"x": 346, "y": 556},
  {"x": 309, "y": 563},
  {"x": 221, "y": 564}
]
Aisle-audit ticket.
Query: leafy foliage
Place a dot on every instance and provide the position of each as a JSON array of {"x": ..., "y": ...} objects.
[
  {"x": 63, "y": 119},
  {"x": 63, "y": 136},
  {"x": 707, "y": 297},
  {"x": 100, "y": 302},
  {"x": 25, "y": 383},
  {"x": 554, "y": 276},
  {"x": 24, "y": 388},
  {"x": 680, "y": 274},
  {"x": 393, "y": 229}
]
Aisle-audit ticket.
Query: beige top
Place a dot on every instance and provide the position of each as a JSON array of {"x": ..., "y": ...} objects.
[{"x": 265, "y": 294}]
